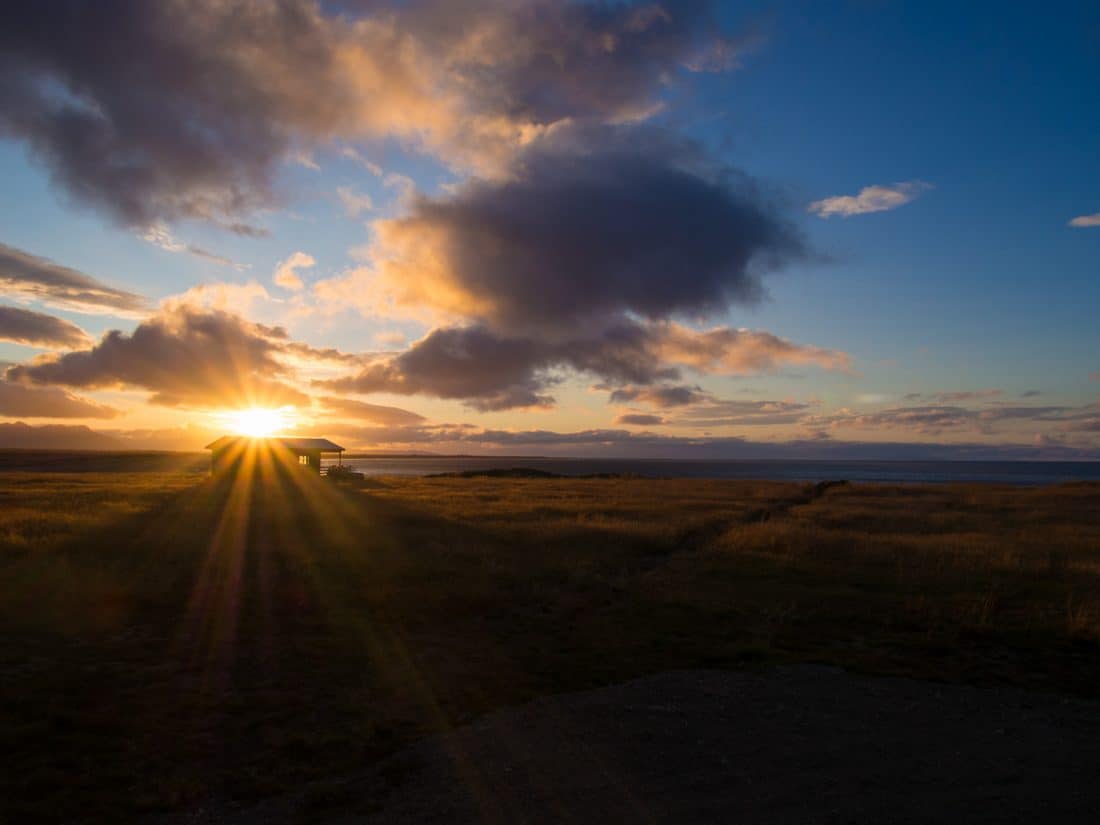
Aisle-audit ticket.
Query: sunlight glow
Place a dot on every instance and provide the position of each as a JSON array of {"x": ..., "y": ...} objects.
[{"x": 258, "y": 422}]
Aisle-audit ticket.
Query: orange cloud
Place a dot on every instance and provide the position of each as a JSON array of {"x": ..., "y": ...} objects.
[{"x": 183, "y": 356}]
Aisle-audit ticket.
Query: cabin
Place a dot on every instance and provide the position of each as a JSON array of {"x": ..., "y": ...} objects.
[{"x": 227, "y": 452}]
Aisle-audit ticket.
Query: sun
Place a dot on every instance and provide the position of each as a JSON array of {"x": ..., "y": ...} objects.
[{"x": 258, "y": 422}]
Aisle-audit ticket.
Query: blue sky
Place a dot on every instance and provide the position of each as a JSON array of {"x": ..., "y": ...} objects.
[{"x": 970, "y": 296}]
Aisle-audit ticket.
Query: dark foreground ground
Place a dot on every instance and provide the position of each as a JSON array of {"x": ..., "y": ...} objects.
[
  {"x": 171, "y": 644},
  {"x": 792, "y": 746}
]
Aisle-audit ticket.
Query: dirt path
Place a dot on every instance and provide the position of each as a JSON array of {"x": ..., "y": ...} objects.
[{"x": 794, "y": 745}]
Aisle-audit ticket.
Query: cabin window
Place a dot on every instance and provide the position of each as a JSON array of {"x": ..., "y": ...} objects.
[{"x": 303, "y": 459}]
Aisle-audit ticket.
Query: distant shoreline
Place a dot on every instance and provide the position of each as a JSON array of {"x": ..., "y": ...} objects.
[{"x": 901, "y": 471}]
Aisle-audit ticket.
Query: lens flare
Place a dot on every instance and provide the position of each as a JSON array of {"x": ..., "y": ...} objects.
[{"x": 258, "y": 422}]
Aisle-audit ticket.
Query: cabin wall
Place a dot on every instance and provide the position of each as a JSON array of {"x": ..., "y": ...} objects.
[
  {"x": 314, "y": 461},
  {"x": 228, "y": 459}
]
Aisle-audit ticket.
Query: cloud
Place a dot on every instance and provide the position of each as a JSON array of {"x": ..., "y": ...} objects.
[
  {"x": 372, "y": 413},
  {"x": 661, "y": 397},
  {"x": 354, "y": 154},
  {"x": 936, "y": 419},
  {"x": 471, "y": 364},
  {"x": 195, "y": 105},
  {"x": 490, "y": 371},
  {"x": 723, "y": 413},
  {"x": 592, "y": 225},
  {"x": 183, "y": 356},
  {"x": 17, "y": 400},
  {"x": 28, "y": 277},
  {"x": 390, "y": 338},
  {"x": 228, "y": 297},
  {"x": 875, "y": 198},
  {"x": 286, "y": 273},
  {"x": 639, "y": 420},
  {"x": 1085, "y": 221},
  {"x": 743, "y": 351},
  {"x": 38, "y": 330},
  {"x": 354, "y": 202},
  {"x": 959, "y": 396},
  {"x": 159, "y": 235},
  {"x": 578, "y": 262}
]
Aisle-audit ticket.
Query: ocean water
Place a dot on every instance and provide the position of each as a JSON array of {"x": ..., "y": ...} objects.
[{"x": 1005, "y": 472}]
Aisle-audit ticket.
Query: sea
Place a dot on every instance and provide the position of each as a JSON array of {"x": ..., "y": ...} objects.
[{"x": 1003, "y": 472}]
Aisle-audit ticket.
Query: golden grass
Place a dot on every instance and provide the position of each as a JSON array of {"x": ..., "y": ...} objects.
[{"x": 188, "y": 637}]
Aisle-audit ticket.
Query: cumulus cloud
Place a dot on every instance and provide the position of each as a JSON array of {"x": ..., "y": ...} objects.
[
  {"x": 490, "y": 371},
  {"x": 36, "y": 329},
  {"x": 183, "y": 356},
  {"x": 592, "y": 224},
  {"x": 579, "y": 261},
  {"x": 875, "y": 198},
  {"x": 1085, "y": 221},
  {"x": 224, "y": 296},
  {"x": 286, "y": 273},
  {"x": 471, "y": 364},
  {"x": 21, "y": 401},
  {"x": 28, "y": 277},
  {"x": 195, "y": 104}
]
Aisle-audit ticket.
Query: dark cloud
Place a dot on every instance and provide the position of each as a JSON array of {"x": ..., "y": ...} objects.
[
  {"x": 639, "y": 420},
  {"x": 589, "y": 229},
  {"x": 17, "y": 400},
  {"x": 471, "y": 364},
  {"x": 167, "y": 109},
  {"x": 23, "y": 275},
  {"x": 183, "y": 356},
  {"x": 163, "y": 110},
  {"x": 579, "y": 261},
  {"x": 490, "y": 371},
  {"x": 36, "y": 329}
]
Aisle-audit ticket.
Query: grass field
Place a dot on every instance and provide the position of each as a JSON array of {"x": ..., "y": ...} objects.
[{"x": 167, "y": 638}]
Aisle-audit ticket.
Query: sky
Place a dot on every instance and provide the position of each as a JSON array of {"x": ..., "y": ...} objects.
[{"x": 671, "y": 229}]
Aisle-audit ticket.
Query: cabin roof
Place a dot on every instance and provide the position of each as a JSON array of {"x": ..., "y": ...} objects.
[{"x": 289, "y": 442}]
